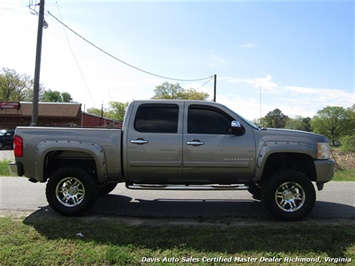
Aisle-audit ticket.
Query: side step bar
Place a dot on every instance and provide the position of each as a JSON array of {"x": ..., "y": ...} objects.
[{"x": 186, "y": 187}]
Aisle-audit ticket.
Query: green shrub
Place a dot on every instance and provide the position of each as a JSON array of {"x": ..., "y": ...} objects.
[{"x": 348, "y": 143}]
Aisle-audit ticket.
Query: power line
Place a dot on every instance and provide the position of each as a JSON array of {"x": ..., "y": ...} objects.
[
  {"x": 76, "y": 61},
  {"x": 205, "y": 83},
  {"x": 32, "y": 7},
  {"x": 123, "y": 62}
]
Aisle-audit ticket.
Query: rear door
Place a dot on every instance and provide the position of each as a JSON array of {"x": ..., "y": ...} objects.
[
  {"x": 211, "y": 152},
  {"x": 154, "y": 143}
]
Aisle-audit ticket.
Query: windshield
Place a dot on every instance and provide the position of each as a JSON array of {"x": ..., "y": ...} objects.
[{"x": 2, "y": 132}]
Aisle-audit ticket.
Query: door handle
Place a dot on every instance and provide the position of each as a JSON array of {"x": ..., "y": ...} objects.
[
  {"x": 139, "y": 141},
  {"x": 195, "y": 142}
]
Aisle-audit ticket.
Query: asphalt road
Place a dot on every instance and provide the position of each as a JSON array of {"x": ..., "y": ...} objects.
[{"x": 336, "y": 201}]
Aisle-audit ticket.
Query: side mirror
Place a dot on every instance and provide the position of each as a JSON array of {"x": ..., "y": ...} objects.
[{"x": 237, "y": 128}]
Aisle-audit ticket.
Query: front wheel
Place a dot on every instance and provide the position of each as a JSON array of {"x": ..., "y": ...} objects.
[
  {"x": 71, "y": 190},
  {"x": 105, "y": 189},
  {"x": 289, "y": 195}
]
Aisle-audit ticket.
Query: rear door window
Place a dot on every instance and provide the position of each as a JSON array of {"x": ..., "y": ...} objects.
[{"x": 157, "y": 118}]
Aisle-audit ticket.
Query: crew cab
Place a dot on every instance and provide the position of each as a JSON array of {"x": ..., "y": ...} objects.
[{"x": 176, "y": 144}]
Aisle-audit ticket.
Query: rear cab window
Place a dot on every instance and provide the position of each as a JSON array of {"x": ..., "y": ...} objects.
[{"x": 157, "y": 118}]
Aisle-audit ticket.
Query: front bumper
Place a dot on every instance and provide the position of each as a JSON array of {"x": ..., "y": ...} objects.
[{"x": 325, "y": 170}]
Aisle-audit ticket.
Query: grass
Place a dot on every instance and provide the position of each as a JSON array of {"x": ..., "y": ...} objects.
[
  {"x": 344, "y": 175},
  {"x": 4, "y": 168},
  {"x": 46, "y": 239},
  {"x": 345, "y": 165}
]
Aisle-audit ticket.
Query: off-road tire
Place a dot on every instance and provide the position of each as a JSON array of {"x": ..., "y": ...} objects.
[
  {"x": 71, "y": 190},
  {"x": 288, "y": 194},
  {"x": 255, "y": 191},
  {"x": 105, "y": 189}
]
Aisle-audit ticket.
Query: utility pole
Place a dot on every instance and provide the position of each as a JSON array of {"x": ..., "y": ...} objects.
[
  {"x": 38, "y": 65},
  {"x": 260, "y": 106},
  {"x": 102, "y": 114},
  {"x": 215, "y": 88}
]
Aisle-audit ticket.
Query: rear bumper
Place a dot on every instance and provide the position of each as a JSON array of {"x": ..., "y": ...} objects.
[
  {"x": 16, "y": 169},
  {"x": 325, "y": 170}
]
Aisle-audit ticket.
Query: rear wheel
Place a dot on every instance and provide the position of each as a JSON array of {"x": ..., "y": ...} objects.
[
  {"x": 289, "y": 195},
  {"x": 71, "y": 190}
]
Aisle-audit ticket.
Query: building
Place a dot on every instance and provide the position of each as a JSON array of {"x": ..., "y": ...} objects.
[
  {"x": 90, "y": 120},
  {"x": 13, "y": 114}
]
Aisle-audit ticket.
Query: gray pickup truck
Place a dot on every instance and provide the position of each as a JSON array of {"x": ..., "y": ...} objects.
[{"x": 171, "y": 144}]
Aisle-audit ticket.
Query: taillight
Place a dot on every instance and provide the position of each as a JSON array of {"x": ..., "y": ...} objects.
[{"x": 18, "y": 146}]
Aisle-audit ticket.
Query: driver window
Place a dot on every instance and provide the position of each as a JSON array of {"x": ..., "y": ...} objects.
[{"x": 207, "y": 120}]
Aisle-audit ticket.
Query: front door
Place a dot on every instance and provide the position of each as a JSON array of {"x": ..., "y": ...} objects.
[{"x": 211, "y": 152}]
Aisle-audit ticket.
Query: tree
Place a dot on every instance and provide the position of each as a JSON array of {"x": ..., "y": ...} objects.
[
  {"x": 19, "y": 87},
  {"x": 333, "y": 122},
  {"x": 348, "y": 141},
  {"x": 95, "y": 111},
  {"x": 175, "y": 91},
  {"x": 66, "y": 97},
  {"x": 14, "y": 86},
  {"x": 274, "y": 119},
  {"x": 299, "y": 123},
  {"x": 56, "y": 96},
  {"x": 116, "y": 111},
  {"x": 350, "y": 113}
]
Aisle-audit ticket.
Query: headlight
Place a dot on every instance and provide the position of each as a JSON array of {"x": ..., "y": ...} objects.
[{"x": 323, "y": 150}]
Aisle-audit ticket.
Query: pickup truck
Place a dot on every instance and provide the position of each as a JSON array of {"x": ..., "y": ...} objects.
[
  {"x": 6, "y": 137},
  {"x": 178, "y": 145}
]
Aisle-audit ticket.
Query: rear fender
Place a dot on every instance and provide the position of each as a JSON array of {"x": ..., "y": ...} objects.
[{"x": 92, "y": 149}]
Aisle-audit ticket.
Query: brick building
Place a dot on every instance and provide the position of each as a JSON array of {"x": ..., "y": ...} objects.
[{"x": 52, "y": 115}]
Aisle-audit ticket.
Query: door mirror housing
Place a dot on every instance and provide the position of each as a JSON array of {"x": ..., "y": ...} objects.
[{"x": 237, "y": 128}]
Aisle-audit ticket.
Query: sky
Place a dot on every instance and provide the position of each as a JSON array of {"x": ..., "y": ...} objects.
[{"x": 297, "y": 56}]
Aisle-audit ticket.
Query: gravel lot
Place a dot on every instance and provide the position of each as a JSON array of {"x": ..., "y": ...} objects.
[{"x": 6, "y": 155}]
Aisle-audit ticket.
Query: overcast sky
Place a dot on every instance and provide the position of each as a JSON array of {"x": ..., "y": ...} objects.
[{"x": 293, "y": 55}]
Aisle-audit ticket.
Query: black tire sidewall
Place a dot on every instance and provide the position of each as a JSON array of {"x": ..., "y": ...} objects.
[
  {"x": 271, "y": 185},
  {"x": 88, "y": 181},
  {"x": 105, "y": 189},
  {"x": 255, "y": 191}
]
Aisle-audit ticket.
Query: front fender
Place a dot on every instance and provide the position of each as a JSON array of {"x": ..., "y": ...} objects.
[
  {"x": 94, "y": 150},
  {"x": 273, "y": 147}
]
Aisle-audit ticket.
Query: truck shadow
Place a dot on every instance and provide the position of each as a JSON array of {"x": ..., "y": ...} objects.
[
  {"x": 229, "y": 227},
  {"x": 178, "y": 207},
  {"x": 119, "y": 205}
]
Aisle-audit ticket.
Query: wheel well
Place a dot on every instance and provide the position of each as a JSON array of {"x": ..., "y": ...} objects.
[
  {"x": 296, "y": 161},
  {"x": 58, "y": 159}
]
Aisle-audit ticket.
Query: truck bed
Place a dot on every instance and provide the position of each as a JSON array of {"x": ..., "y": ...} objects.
[{"x": 42, "y": 144}]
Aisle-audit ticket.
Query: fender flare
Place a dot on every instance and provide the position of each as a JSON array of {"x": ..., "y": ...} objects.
[
  {"x": 93, "y": 149},
  {"x": 274, "y": 147}
]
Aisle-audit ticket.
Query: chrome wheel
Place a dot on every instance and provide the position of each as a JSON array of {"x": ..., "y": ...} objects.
[
  {"x": 70, "y": 192},
  {"x": 288, "y": 194},
  {"x": 290, "y": 197}
]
